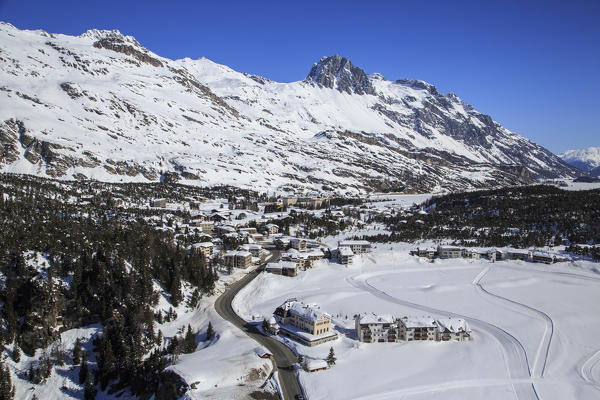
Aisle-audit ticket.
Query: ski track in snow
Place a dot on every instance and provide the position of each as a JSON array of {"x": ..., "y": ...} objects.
[
  {"x": 544, "y": 347},
  {"x": 590, "y": 370},
  {"x": 514, "y": 353},
  {"x": 563, "y": 274},
  {"x": 443, "y": 386}
]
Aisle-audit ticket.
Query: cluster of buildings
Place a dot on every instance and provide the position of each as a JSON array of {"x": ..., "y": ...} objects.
[
  {"x": 301, "y": 254},
  {"x": 373, "y": 328},
  {"x": 192, "y": 203},
  {"x": 311, "y": 326},
  {"x": 306, "y": 202},
  {"x": 487, "y": 254}
]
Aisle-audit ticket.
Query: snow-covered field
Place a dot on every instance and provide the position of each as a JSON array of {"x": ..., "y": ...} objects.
[
  {"x": 582, "y": 186},
  {"x": 534, "y": 327}
]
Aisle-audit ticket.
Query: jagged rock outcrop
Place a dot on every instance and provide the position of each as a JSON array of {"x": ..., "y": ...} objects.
[
  {"x": 10, "y": 131},
  {"x": 338, "y": 73}
]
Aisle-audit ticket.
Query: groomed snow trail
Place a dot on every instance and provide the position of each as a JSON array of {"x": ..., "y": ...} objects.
[
  {"x": 514, "y": 353},
  {"x": 541, "y": 357},
  {"x": 442, "y": 386},
  {"x": 563, "y": 274},
  {"x": 590, "y": 370}
]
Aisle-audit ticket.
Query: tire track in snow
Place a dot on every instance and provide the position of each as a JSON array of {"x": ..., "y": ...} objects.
[
  {"x": 544, "y": 347},
  {"x": 514, "y": 353}
]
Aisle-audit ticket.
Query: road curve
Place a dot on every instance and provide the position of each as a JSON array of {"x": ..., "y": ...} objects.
[{"x": 285, "y": 360}]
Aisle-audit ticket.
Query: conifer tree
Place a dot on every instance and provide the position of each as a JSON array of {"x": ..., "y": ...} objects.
[
  {"x": 16, "y": 355},
  {"x": 7, "y": 389},
  {"x": 189, "y": 341},
  {"x": 331, "y": 357},
  {"x": 265, "y": 325},
  {"x": 210, "y": 332},
  {"x": 77, "y": 352},
  {"x": 195, "y": 298},
  {"x": 159, "y": 338},
  {"x": 83, "y": 370},
  {"x": 89, "y": 391}
]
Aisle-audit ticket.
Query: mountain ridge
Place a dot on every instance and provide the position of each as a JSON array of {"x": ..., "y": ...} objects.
[
  {"x": 101, "y": 106},
  {"x": 588, "y": 159}
]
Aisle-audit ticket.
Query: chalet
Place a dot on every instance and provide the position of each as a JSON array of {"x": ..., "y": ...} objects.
[
  {"x": 217, "y": 217},
  {"x": 198, "y": 220},
  {"x": 413, "y": 328},
  {"x": 373, "y": 328},
  {"x": 238, "y": 259},
  {"x": 357, "y": 246},
  {"x": 289, "y": 201},
  {"x": 311, "y": 365},
  {"x": 301, "y": 259},
  {"x": 255, "y": 249},
  {"x": 256, "y": 237},
  {"x": 345, "y": 255},
  {"x": 516, "y": 254},
  {"x": 543, "y": 257},
  {"x": 427, "y": 253},
  {"x": 449, "y": 252},
  {"x": 262, "y": 352},
  {"x": 472, "y": 254},
  {"x": 158, "y": 203},
  {"x": 272, "y": 326},
  {"x": 248, "y": 231},
  {"x": 207, "y": 227},
  {"x": 282, "y": 242},
  {"x": 285, "y": 268},
  {"x": 298, "y": 244},
  {"x": 194, "y": 204},
  {"x": 225, "y": 229},
  {"x": 453, "y": 329},
  {"x": 204, "y": 248},
  {"x": 314, "y": 255},
  {"x": 272, "y": 229}
]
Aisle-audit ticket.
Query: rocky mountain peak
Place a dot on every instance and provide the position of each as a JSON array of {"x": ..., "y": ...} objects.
[
  {"x": 336, "y": 72},
  {"x": 110, "y": 35}
]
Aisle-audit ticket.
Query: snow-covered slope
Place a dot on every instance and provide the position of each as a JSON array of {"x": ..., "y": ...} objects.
[
  {"x": 101, "y": 106},
  {"x": 586, "y": 159}
]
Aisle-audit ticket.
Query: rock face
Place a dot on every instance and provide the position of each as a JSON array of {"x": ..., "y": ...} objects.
[
  {"x": 10, "y": 131},
  {"x": 338, "y": 73},
  {"x": 101, "y": 106}
]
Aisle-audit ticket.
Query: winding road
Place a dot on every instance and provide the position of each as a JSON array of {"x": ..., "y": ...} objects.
[{"x": 284, "y": 359}]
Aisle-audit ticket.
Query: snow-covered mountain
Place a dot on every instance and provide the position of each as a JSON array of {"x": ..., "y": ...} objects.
[
  {"x": 101, "y": 106},
  {"x": 587, "y": 160}
]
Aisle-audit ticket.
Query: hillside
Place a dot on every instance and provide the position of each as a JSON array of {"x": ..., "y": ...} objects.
[{"x": 101, "y": 106}]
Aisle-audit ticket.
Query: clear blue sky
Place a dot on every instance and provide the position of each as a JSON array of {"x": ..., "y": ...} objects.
[{"x": 532, "y": 65}]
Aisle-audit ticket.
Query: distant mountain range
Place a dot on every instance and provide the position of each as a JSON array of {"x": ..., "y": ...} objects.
[
  {"x": 587, "y": 160},
  {"x": 101, "y": 106}
]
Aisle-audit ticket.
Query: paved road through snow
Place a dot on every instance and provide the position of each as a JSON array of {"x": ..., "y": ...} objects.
[{"x": 285, "y": 359}]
